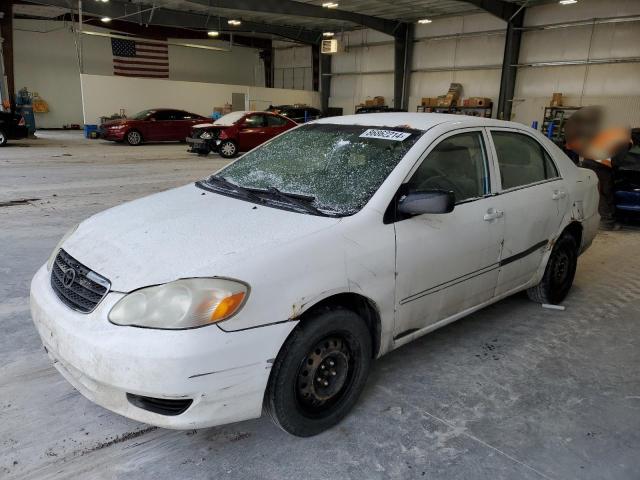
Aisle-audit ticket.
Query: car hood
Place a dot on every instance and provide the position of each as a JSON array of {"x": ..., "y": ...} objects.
[{"x": 181, "y": 233}]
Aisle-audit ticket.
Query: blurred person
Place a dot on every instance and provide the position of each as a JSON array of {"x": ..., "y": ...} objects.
[{"x": 596, "y": 145}]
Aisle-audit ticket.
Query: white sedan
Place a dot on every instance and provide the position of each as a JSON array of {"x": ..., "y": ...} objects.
[{"x": 276, "y": 281}]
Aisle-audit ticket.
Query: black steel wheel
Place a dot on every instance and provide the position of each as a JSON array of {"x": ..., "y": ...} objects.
[
  {"x": 319, "y": 373},
  {"x": 3, "y": 138},
  {"x": 559, "y": 273}
]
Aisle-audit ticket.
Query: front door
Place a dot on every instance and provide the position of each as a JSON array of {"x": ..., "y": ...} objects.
[
  {"x": 253, "y": 131},
  {"x": 448, "y": 263},
  {"x": 535, "y": 199}
]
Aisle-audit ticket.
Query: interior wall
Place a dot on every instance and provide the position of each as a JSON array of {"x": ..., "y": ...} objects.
[
  {"x": 615, "y": 86},
  {"x": 292, "y": 66},
  {"x": 136, "y": 94},
  {"x": 45, "y": 62},
  {"x": 363, "y": 71}
]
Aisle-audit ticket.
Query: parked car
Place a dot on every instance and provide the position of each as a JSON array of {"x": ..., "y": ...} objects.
[
  {"x": 12, "y": 127},
  {"x": 155, "y": 125},
  {"x": 626, "y": 177},
  {"x": 378, "y": 109},
  {"x": 277, "y": 280},
  {"x": 297, "y": 113},
  {"x": 237, "y": 132}
]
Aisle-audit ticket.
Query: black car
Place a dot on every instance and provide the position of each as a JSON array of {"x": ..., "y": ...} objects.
[
  {"x": 626, "y": 178},
  {"x": 12, "y": 127},
  {"x": 378, "y": 109},
  {"x": 297, "y": 113}
]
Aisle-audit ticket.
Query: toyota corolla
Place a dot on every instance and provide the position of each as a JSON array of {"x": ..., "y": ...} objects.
[{"x": 273, "y": 283}]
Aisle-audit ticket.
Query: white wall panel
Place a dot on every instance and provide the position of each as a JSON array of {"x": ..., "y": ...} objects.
[
  {"x": 552, "y": 45},
  {"x": 584, "y": 10},
  {"x": 135, "y": 94}
]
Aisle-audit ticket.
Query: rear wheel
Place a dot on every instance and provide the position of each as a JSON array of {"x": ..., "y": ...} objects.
[
  {"x": 228, "y": 149},
  {"x": 3, "y": 138},
  {"x": 559, "y": 273},
  {"x": 134, "y": 137},
  {"x": 319, "y": 373}
]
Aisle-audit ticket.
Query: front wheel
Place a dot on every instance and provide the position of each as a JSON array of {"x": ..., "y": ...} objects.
[
  {"x": 228, "y": 149},
  {"x": 3, "y": 138},
  {"x": 559, "y": 273},
  {"x": 134, "y": 137},
  {"x": 319, "y": 373}
]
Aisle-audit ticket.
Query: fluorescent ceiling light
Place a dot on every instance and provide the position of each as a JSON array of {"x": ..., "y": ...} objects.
[
  {"x": 234, "y": 22},
  {"x": 567, "y": 2},
  {"x": 328, "y": 34},
  {"x": 329, "y": 5},
  {"x": 105, "y": 19},
  {"x": 213, "y": 33},
  {"x": 424, "y": 21}
]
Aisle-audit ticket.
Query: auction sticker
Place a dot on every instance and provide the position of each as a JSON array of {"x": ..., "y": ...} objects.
[{"x": 385, "y": 134}]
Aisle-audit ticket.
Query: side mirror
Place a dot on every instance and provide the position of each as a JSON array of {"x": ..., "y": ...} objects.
[{"x": 430, "y": 201}]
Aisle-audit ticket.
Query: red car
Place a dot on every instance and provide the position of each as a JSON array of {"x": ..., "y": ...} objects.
[
  {"x": 155, "y": 125},
  {"x": 237, "y": 132}
]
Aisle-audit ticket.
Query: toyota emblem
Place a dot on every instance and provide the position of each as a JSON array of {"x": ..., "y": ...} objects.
[{"x": 69, "y": 277}]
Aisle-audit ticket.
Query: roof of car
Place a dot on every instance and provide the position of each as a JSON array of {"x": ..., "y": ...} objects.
[{"x": 419, "y": 121}]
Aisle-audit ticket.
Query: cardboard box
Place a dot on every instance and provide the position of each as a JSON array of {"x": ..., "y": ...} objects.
[
  {"x": 429, "y": 102},
  {"x": 444, "y": 101},
  {"x": 556, "y": 100},
  {"x": 378, "y": 101},
  {"x": 477, "y": 102}
]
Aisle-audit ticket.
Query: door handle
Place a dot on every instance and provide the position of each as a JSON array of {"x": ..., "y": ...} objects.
[
  {"x": 493, "y": 214},
  {"x": 558, "y": 194}
]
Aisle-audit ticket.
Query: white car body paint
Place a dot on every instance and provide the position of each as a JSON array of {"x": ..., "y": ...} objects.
[{"x": 292, "y": 261}]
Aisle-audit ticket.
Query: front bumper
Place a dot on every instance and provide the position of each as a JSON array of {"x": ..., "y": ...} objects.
[
  {"x": 225, "y": 374},
  {"x": 199, "y": 145},
  {"x": 113, "y": 135}
]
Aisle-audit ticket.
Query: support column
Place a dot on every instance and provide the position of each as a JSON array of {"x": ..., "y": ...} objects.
[
  {"x": 403, "y": 59},
  {"x": 266, "y": 54},
  {"x": 6, "y": 32},
  {"x": 315, "y": 66},
  {"x": 509, "y": 72},
  {"x": 325, "y": 81}
]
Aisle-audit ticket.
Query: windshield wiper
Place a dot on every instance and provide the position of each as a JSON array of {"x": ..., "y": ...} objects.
[
  {"x": 248, "y": 193},
  {"x": 299, "y": 200}
]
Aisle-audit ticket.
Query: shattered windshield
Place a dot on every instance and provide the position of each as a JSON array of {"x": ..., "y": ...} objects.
[{"x": 336, "y": 167}]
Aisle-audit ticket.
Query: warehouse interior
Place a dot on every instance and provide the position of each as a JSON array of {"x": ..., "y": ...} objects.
[{"x": 512, "y": 391}]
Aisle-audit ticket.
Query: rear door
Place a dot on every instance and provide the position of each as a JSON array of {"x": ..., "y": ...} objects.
[
  {"x": 159, "y": 126},
  {"x": 275, "y": 126},
  {"x": 534, "y": 198},
  {"x": 183, "y": 123}
]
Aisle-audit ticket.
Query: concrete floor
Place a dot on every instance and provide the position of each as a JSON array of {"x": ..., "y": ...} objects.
[{"x": 512, "y": 392}]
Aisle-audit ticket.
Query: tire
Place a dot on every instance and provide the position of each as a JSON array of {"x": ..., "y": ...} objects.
[
  {"x": 228, "y": 149},
  {"x": 559, "y": 273},
  {"x": 333, "y": 348},
  {"x": 134, "y": 137},
  {"x": 3, "y": 138}
]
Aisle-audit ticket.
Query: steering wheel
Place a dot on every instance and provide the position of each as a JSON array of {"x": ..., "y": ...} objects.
[{"x": 441, "y": 182}]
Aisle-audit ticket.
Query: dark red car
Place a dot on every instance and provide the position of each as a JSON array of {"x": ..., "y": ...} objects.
[
  {"x": 237, "y": 132},
  {"x": 155, "y": 125}
]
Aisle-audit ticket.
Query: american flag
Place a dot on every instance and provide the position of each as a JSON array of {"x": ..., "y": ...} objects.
[{"x": 135, "y": 58}]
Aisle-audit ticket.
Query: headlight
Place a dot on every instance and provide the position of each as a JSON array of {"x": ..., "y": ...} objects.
[
  {"x": 54, "y": 254},
  {"x": 206, "y": 135},
  {"x": 188, "y": 303}
]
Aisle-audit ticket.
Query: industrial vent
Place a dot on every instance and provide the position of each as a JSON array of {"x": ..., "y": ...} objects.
[{"x": 331, "y": 46}]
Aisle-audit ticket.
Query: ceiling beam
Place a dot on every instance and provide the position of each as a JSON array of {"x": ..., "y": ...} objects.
[
  {"x": 178, "y": 19},
  {"x": 499, "y": 8},
  {"x": 290, "y": 7}
]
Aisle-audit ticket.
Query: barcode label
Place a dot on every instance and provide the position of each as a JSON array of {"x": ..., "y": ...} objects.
[{"x": 385, "y": 134}]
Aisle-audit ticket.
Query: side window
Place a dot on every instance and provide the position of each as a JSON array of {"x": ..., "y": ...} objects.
[
  {"x": 522, "y": 160},
  {"x": 457, "y": 164},
  {"x": 163, "y": 115},
  {"x": 254, "y": 121},
  {"x": 273, "y": 121}
]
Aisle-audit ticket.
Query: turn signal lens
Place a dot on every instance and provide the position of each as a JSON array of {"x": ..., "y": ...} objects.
[{"x": 227, "y": 307}]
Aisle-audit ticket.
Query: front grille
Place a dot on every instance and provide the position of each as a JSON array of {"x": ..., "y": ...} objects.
[
  {"x": 76, "y": 285},
  {"x": 162, "y": 406}
]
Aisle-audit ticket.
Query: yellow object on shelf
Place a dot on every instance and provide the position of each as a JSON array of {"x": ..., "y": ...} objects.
[{"x": 39, "y": 105}]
